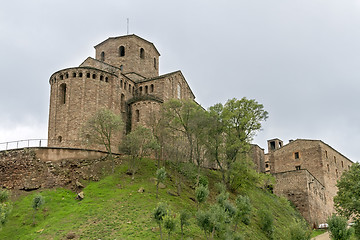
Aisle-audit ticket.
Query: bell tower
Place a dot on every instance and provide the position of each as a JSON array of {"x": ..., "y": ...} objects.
[{"x": 131, "y": 54}]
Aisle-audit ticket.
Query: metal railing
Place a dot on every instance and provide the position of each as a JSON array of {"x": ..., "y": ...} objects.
[{"x": 23, "y": 144}]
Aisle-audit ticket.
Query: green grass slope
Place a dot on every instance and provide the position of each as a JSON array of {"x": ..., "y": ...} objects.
[{"x": 114, "y": 209}]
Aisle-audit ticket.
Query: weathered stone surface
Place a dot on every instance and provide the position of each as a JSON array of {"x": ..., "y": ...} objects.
[
  {"x": 306, "y": 173},
  {"x": 22, "y": 169},
  {"x": 162, "y": 186},
  {"x": 141, "y": 190},
  {"x": 80, "y": 195}
]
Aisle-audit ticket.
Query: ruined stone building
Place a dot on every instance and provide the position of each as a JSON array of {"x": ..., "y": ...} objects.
[
  {"x": 123, "y": 77},
  {"x": 306, "y": 173}
]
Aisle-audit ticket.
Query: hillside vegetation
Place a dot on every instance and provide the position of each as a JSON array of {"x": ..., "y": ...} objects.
[{"x": 114, "y": 209}]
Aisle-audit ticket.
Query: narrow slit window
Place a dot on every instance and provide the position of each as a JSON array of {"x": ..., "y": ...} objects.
[
  {"x": 102, "y": 56},
  {"x": 121, "y": 51},
  {"x": 146, "y": 90},
  {"x": 296, "y": 155},
  {"x": 137, "y": 115},
  {"x": 152, "y": 88},
  {"x": 63, "y": 93},
  {"x": 122, "y": 102},
  {"x": 142, "y": 53}
]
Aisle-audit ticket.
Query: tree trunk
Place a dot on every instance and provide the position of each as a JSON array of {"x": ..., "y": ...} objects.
[
  {"x": 160, "y": 231},
  {"x": 157, "y": 190}
]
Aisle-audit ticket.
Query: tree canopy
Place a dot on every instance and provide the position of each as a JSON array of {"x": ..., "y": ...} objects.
[{"x": 347, "y": 200}]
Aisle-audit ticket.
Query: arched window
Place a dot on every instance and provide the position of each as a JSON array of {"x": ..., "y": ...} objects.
[
  {"x": 129, "y": 88},
  {"x": 124, "y": 85},
  {"x": 142, "y": 53},
  {"x": 101, "y": 78},
  {"x": 74, "y": 74},
  {"x": 62, "y": 93},
  {"x": 122, "y": 102},
  {"x": 178, "y": 91},
  {"x": 140, "y": 89},
  {"x": 60, "y": 139},
  {"x": 146, "y": 90},
  {"x": 121, "y": 51},
  {"x": 94, "y": 76},
  {"x": 152, "y": 88},
  {"x": 102, "y": 56},
  {"x": 106, "y": 79},
  {"x": 80, "y": 74},
  {"x": 121, "y": 83},
  {"x": 155, "y": 63},
  {"x": 137, "y": 115}
]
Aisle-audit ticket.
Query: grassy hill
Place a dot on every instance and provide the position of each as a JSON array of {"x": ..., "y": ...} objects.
[{"x": 114, "y": 209}]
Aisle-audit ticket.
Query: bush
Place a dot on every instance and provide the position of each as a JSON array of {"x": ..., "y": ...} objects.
[
  {"x": 338, "y": 228},
  {"x": 267, "y": 223},
  {"x": 159, "y": 214},
  {"x": 356, "y": 228},
  {"x": 169, "y": 224},
  {"x": 201, "y": 194},
  {"x": 244, "y": 209},
  {"x": 298, "y": 232},
  {"x": 4, "y": 196}
]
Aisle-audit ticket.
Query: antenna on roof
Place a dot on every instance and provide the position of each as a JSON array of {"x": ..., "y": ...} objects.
[{"x": 127, "y": 21}]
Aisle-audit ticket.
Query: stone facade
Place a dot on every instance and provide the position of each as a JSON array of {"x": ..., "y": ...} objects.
[
  {"x": 123, "y": 77},
  {"x": 306, "y": 172},
  {"x": 29, "y": 169}
]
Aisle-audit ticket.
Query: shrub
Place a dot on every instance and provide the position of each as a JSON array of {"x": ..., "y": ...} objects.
[
  {"x": 201, "y": 194},
  {"x": 267, "y": 223},
  {"x": 338, "y": 228},
  {"x": 298, "y": 232},
  {"x": 159, "y": 213}
]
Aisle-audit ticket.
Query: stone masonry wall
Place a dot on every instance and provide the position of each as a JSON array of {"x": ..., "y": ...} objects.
[
  {"x": 33, "y": 168},
  {"x": 305, "y": 192},
  {"x": 148, "y": 66}
]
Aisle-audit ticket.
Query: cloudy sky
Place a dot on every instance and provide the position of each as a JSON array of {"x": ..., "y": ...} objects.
[{"x": 299, "y": 58}]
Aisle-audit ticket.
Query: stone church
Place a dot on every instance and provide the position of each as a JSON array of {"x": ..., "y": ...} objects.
[{"x": 123, "y": 77}]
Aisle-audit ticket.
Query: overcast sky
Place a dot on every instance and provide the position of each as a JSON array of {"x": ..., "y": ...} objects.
[{"x": 299, "y": 58}]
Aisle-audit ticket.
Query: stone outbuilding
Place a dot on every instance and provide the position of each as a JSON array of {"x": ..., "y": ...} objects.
[{"x": 306, "y": 173}]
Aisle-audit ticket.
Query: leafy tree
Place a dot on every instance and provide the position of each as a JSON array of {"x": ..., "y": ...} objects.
[
  {"x": 160, "y": 178},
  {"x": 338, "y": 228},
  {"x": 169, "y": 224},
  {"x": 298, "y": 231},
  {"x": 201, "y": 194},
  {"x": 159, "y": 214},
  {"x": 347, "y": 200},
  {"x": 267, "y": 223},
  {"x": 214, "y": 142},
  {"x": 37, "y": 203},
  {"x": 204, "y": 221},
  {"x": 5, "y": 207},
  {"x": 180, "y": 118},
  {"x": 138, "y": 144},
  {"x": 101, "y": 128},
  {"x": 184, "y": 221},
  {"x": 242, "y": 119},
  {"x": 243, "y": 210}
]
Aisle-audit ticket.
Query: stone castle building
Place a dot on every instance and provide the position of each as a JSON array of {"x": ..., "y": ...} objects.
[
  {"x": 306, "y": 173},
  {"x": 123, "y": 77}
]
